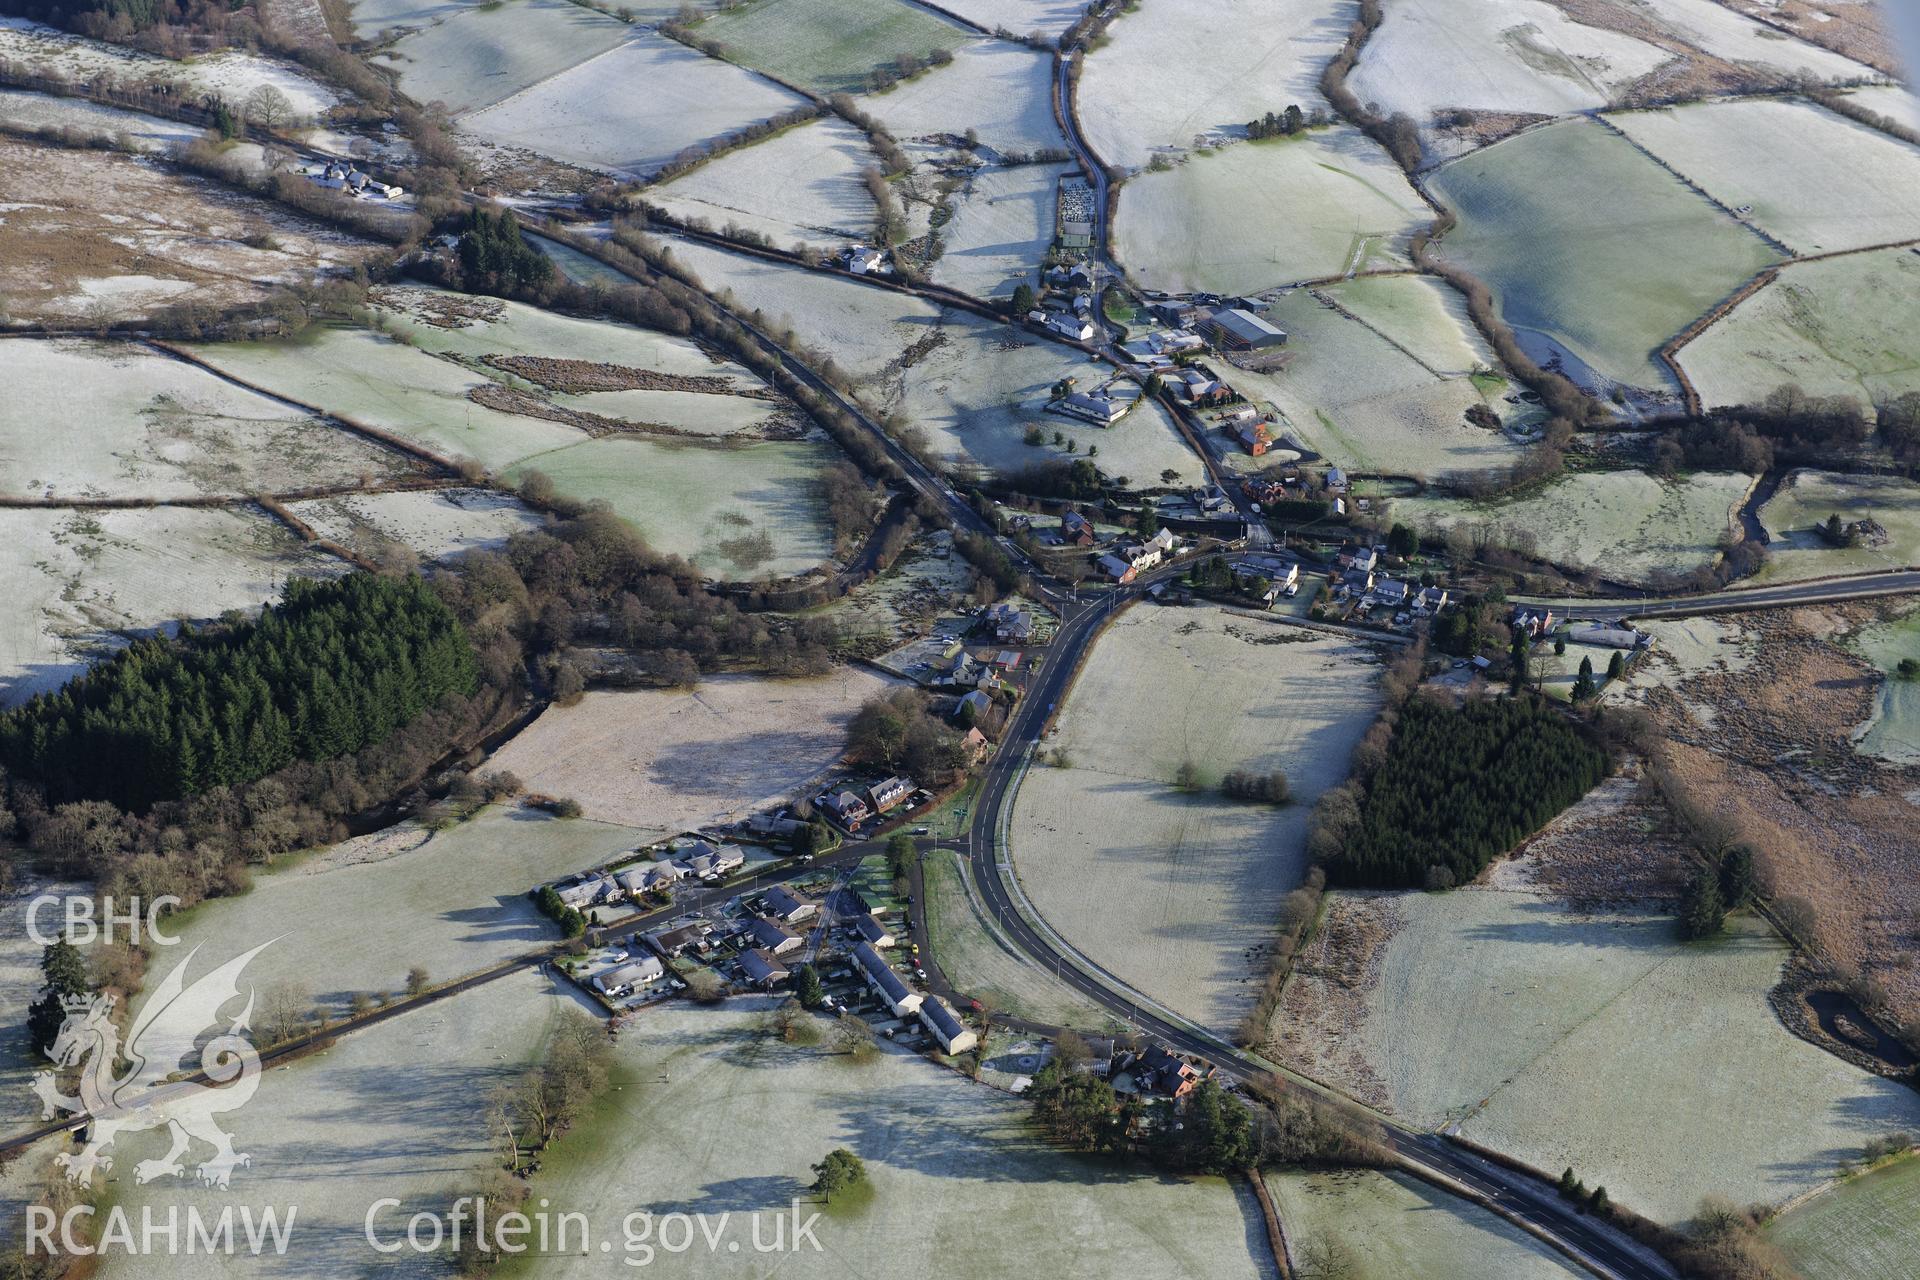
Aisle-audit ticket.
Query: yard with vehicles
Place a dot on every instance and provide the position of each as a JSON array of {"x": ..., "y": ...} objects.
[
  {"x": 1862, "y": 1229},
  {"x": 588, "y": 116},
  {"x": 1174, "y": 889},
  {"x": 1806, "y": 500},
  {"x": 1831, "y": 327},
  {"x": 1001, "y": 92},
  {"x": 485, "y": 53},
  {"x": 801, "y": 187},
  {"x": 685, "y": 758},
  {"x": 1624, "y": 526},
  {"x": 1163, "y": 76},
  {"x": 829, "y": 46},
  {"x": 717, "y": 1112},
  {"x": 1387, "y": 1225},
  {"x": 1208, "y": 222},
  {"x": 1559, "y": 222},
  {"x": 1812, "y": 179}
]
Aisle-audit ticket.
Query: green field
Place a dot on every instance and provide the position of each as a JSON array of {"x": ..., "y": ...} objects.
[
  {"x": 829, "y": 46},
  {"x": 1840, "y": 326},
  {"x": 1588, "y": 242},
  {"x": 1865, "y": 1229},
  {"x": 1807, "y": 498},
  {"x": 1425, "y": 317},
  {"x": 1894, "y": 732}
]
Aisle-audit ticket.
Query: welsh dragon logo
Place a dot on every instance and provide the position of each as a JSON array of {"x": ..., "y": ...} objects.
[{"x": 167, "y": 1031}]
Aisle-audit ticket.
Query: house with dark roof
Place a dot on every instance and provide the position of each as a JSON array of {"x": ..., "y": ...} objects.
[
  {"x": 1237, "y": 330},
  {"x": 847, "y": 807},
  {"x": 617, "y": 982},
  {"x": 879, "y": 975},
  {"x": 889, "y": 793},
  {"x": 1077, "y": 529},
  {"x": 872, "y": 932},
  {"x": 772, "y": 935},
  {"x": 760, "y": 969},
  {"x": 782, "y": 903},
  {"x": 954, "y": 1035},
  {"x": 674, "y": 943}
]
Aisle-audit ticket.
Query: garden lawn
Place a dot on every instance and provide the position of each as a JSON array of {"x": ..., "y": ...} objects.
[
  {"x": 1590, "y": 246},
  {"x": 1001, "y": 228},
  {"x": 1807, "y": 498},
  {"x": 489, "y": 52},
  {"x": 1813, "y": 179},
  {"x": 829, "y": 46},
  {"x": 1255, "y": 215},
  {"x": 1175, "y": 893},
  {"x": 1863, "y": 1229},
  {"x": 1833, "y": 327},
  {"x": 803, "y": 187}
]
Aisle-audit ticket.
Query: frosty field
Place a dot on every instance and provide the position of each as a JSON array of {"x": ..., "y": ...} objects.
[
  {"x": 674, "y": 759},
  {"x": 76, "y": 580},
  {"x": 1421, "y": 315},
  {"x": 1815, "y": 180},
  {"x": 1001, "y": 91},
  {"x": 1523, "y": 56},
  {"x": 1394, "y": 1226},
  {"x": 829, "y": 46},
  {"x": 591, "y": 114},
  {"x": 1165, "y": 76},
  {"x": 436, "y": 524},
  {"x": 1187, "y": 883},
  {"x": 20, "y": 109},
  {"x": 1860, "y": 1230},
  {"x": 722, "y": 1116},
  {"x": 1893, "y": 733},
  {"x": 1732, "y": 35},
  {"x": 1050, "y": 17},
  {"x": 1832, "y": 327},
  {"x": 115, "y": 419},
  {"x": 488, "y": 52},
  {"x": 1000, "y": 230},
  {"x": 20, "y": 984},
  {"x": 1590, "y": 245},
  {"x": 802, "y": 187},
  {"x": 1210, "y": 222},
  {"x": 1624, "y": 525},
  {"x": 1807, "y": 498}
]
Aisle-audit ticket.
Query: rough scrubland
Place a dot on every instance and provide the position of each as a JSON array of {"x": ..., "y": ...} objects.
[{"x": 435, "y": 524}]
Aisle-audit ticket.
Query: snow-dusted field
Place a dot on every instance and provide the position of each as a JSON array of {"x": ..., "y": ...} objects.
[
  {"x": 1003, "y": 92},
  {"x": 803, "y": 187},
  {"x": 112, "y": 419},
  {"x": 674, "y": 759},
  {"x": 1422, "y": 315},
  {"x": 440, "y": 523},
  {"x": 1809, "y": 497},
  {"x": 1181, "y": 69},
  {"x": 485, "y": 53},
  {"x": 1001, "y": 227},
  {"x": 1510, "y": 55},
  {"x": 1728, "y": 34},
  {"x": 20, "y": 109},
  {"x": 1021, "y": 17},
  {"x": 1815, "y": 180},
  {"x": 1255, "y": 215},
  {"x": 1833, "y": 327},
  {"x": 1165, "y": 889},
  {"x": 631, "y": 109},
  {"x": 830, "y": 46}
]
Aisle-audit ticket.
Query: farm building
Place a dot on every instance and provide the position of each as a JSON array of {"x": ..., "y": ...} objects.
[
  {"x": 954, "y": 1035},
  {"x": 873, "y": 933},
  {"x": 628, "y": 976},
  {"x": 879, "y": 975},
  {"x": 773, "y": 935},
  {"x": 760, "y": 969},
  {"x": 1606, "y": 637},
  {"x": 783, "y": 903},
  {"x": 1237, "y": 330}
]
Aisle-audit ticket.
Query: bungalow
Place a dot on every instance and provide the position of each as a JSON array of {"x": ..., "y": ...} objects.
[
  {"x": 854, "y": 904},
  {"x": 847, "y": 807},
  {"x": 976, "y": 704},
  {"x": 772, "y": 935},
  {"x": 782, "y": 903},
  {"x": 954, "y": 1035},
  {"x": 586, "y": 893},
  {"x": 1009, "y": 623},
  {"x": 718, "y": 861},
  {"x": 1237, "y": 330},
  {"x": 1116, "y": 570},
  {"x": 1336, "y": 480},
  {"x": 889, "y": 793},
  {"x": 873, "y": 933},
  {"x": 767, "y": 826},
  {"x": 897, "y": 995},
  {"x": 653, "y": 875},
  {"x": 1093, "y": 406},
  {"x": 616, "y": 982},
  {"x": 1077, "y": 529},
  {"x": 759, "y": 968},
  {"x": 674, "y": 943}
]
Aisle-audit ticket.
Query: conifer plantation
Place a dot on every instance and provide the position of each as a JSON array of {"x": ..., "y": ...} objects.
[
  {"x": 335, "y": 667},
  {"x": 1460, "y": 787}
]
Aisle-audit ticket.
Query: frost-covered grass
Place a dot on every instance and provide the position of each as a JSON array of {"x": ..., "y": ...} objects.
[
  {"x": 1591, "y": 245},
  {"x": 1624, "y": 525},
  {"x": 1511, "y": 55},
  {"x": 577, "y": 266},
  {"x": 740, "y": 512},
  {"x": 1863, "y": 1229},
  {"x": 631, "y": 109},
  {"x": 76, "y": 581},
  {"x": 1834, "y": 327},
  {"x": 20, "y": 982},
  {"x": 722, "y": 1116},
  {"x": 397, "y": 1111},
  {"x": 802, "y": 187},
  {"x": 488, "y": 52},
  {"x": 1181, "y": 69},
  {"x": 676, "y": 758},
  {"x": 1728, "y": 34},
  {"x": 1001, "y": 227},
  {"x": 1003, "y": 92},
  {"x": 1807, "y": 498},
  {"x": 1894, "y": 731},
  {"x": 829, "y": 46},
  {"x": 120, "y": 420},
  {"x": 1187, "y": 883},
  {"x": 1255, "y": 215},
  {"x": 1817, "y": 181},
  {"x": 1422, "y": 315},
  {"x": 1364, "y": 403},
  {"x": 231, "y": 73},
  {"x": 1049, "y": 17},
  {"x": 20, "y": 109},
  {"x": 1392, "y": 1226},
  {"x": 440, "y": 523}
]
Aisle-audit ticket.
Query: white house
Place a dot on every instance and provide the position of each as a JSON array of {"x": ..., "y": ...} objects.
[
  {"x": 954, "y": 1035},
  {"x": 879, "y": 975},
  {"x": 619, "y": 981}
]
